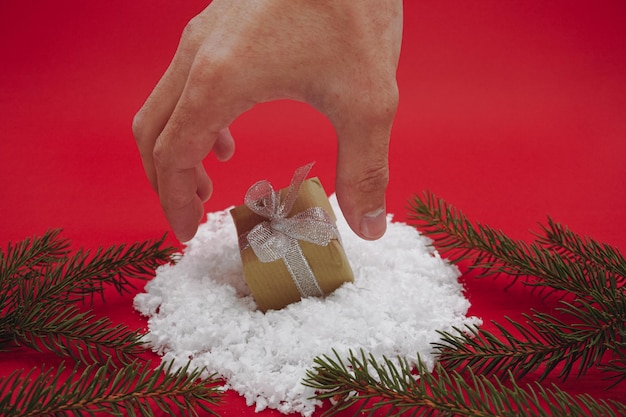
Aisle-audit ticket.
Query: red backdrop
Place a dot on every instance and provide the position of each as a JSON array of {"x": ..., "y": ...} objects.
[{"x": 509, "y": 110}]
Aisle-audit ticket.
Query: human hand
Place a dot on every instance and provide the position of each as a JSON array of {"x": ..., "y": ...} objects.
[{"x": 340, "y": 56}]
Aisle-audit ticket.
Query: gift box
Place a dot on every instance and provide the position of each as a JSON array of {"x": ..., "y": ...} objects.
[{"x": 289, "y": 244}]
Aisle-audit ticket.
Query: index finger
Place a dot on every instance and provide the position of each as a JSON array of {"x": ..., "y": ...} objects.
[
  {"x": 197, "y": 125},
  {"x": 182, "y": 182}
]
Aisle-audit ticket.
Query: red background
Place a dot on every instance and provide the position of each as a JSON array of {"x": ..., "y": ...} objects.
[{"x": 510, "y": 110}]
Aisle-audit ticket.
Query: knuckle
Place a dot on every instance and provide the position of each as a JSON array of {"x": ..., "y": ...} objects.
[
  {"x": 392, "y": 97},
  {"x": 211, "y": 68},
  {"x": 175, "y": 201},
  {"x": 160, "y": 155},
  {"x": 138, "y": 126},
  {"x": 373, "y": 179},
  {"x": 193, "y": 35},
  {"x": 382, "y": 103},
  {"x": 375, "y": 102},
  {"x": 192, "y": 31}
]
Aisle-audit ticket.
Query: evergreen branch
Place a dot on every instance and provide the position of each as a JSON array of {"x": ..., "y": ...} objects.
[
  {"x": 455, "y": 235},
  {"x": 41, "y": 280},
  {"x": 494, "y": 253},
  {"x": 592, "y": 323},
  {"x": 396, "y": 390},
  {"x": 20, "y": 258},
  {"x": 617, "y": 367},
  {"x": 42, "y": 270},
  {"x": 84, "y": 274},
  {"x": 135, "y": 389},
  {"x": 542, "y": 342},
  {"x": 22, "y": 261},
  {"x": 67, "y": 332},
  {"x": 599, "y": 255},
  {"x": 116, "y": 265}
]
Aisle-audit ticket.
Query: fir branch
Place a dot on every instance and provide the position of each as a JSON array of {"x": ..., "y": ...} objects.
[
  {"x": 135, "y": 389},
  {"x": 19, "y": 259},
  {"x": 396, "y": 390},
  {"x": 117, "y": 265},
  {"x": 591, "y": 324},
  {"x": 617, "y": 367},
  {"x": 589, "y": 332},
  {"x": 22, "y": 261},
  {"x": 542, "y": 342},
  {"x": 578, "y": 249},
  {"x": 493, "y": 253},
  {"x": 43, "y": 268},
  {"x": 68, "y": 332},
  {"x": 41, "y": 281},
  {"x": 83, "y": 273},
  {"x": 460, "y": 240}
]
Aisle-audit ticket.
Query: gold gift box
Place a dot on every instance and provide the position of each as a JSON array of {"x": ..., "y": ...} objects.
[{"x": 270, "y": 282}]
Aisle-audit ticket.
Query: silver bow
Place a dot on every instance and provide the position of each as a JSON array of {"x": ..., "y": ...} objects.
[{"x": 277, "y": 238}]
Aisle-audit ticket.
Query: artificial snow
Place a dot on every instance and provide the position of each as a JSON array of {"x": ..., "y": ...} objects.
[{"x": 200, "y": 309}]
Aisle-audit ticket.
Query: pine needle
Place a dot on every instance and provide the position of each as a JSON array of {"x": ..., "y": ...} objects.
[
  {"x": 493, "y": 253},
  {"x": 583, "y": 249},
  {"x": 41, "y": 281},
  {"x": 18, "y": 260},
  {"x": 396, "y": 389},
  {"x": 68, "y": 332},
  {"x": 135, "y": 389},
  {"x": 22, "y": 261},
  {"x": 590, "y": 329},
  {"x": 116, "y": 265}
]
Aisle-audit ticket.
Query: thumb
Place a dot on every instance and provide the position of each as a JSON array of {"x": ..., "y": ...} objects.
[{"x": 363, "y": 172}]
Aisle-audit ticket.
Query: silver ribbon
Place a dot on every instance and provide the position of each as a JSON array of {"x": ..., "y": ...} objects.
[{"x": 278, "y": 237}]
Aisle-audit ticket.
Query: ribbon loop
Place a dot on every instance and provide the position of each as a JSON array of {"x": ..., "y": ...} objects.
[{"x": 277, "y": 238}]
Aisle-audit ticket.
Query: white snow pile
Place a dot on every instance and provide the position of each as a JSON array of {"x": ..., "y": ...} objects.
[{"x": 201, "y": 309}]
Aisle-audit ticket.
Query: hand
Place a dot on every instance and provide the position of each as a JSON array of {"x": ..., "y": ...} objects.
[{"x": 340, "y": 56}]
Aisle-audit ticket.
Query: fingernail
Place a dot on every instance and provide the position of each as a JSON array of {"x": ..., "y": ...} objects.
[{"x": 373, "y": 224}]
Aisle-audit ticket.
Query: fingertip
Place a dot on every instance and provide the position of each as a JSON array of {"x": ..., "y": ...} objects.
[
  {"x": 224, "y": 146},
  {"x": 185, "y": 225},
  {"x": 185, "y": 236},
  {"x": 361, "y": 195},
  {"x": 205, "y": 185},
  {"x": 365, "y": 214},
  {"x": 373, "y": 224}
]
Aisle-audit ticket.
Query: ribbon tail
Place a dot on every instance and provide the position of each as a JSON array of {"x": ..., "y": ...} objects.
[
  {"x": 294, "y": 188},
  {"x": 301, "y": 272}
]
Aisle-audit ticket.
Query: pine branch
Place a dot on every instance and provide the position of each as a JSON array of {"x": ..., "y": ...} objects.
[
  {"x": 542, "y": 342},
  {"x": 590, "y": 326},
  {"x": 135, "y": 389},
  {"x": 617, "y": 367},
  {"x": 489, "y": 250},
  {"x": 42, "y": 269},
  {"x": 494, "y": 253},
  {"x": 116, "y": 265},
  {"x": 68, "y": 332},
  {"x": 41, "y": 281},
  {"x": 396, "y": 390},
  {"x": 83, "y": 274},
  {"x": 23, "y": 260},
  {"x": 597, "y": 255}
]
